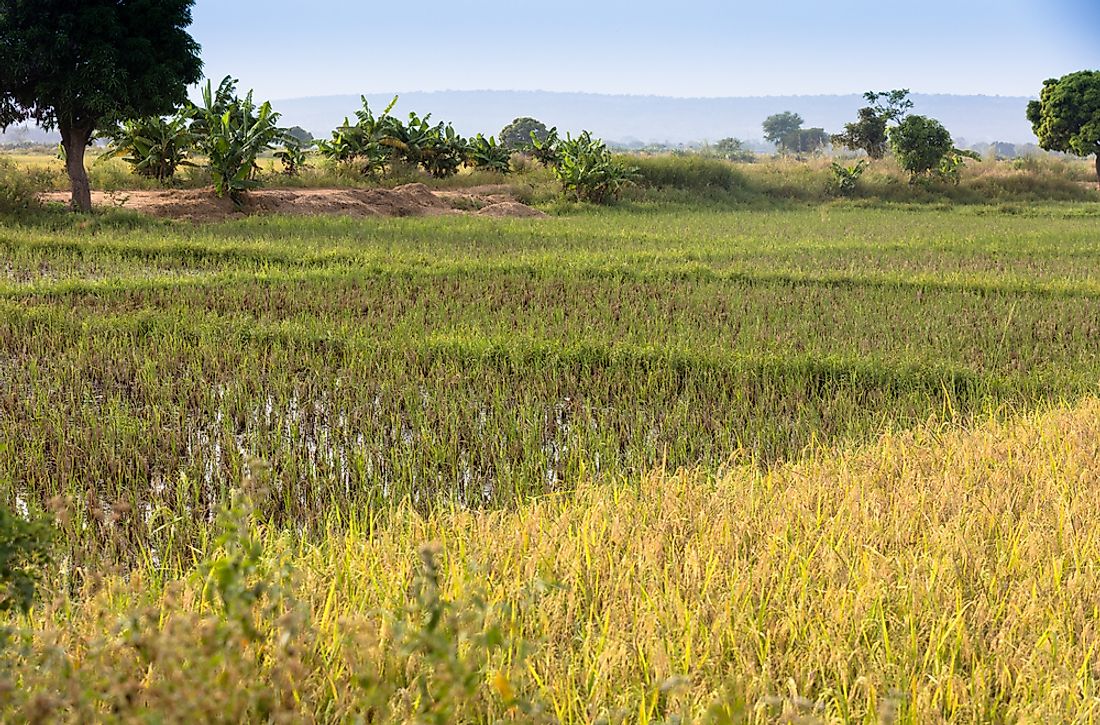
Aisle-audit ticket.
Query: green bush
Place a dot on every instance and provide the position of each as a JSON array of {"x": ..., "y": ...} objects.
[
  {"x": 486, "y": 153},
  {"x": 24, "y": 554},
  {"x": 920, "y": 144},
  {"x": 17, "y": 191}
]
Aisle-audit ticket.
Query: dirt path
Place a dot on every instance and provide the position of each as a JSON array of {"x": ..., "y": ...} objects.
[{"x": 200, "y": 205}]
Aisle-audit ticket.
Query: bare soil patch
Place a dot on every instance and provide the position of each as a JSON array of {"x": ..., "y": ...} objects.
[{"x": 200, "y": 205}]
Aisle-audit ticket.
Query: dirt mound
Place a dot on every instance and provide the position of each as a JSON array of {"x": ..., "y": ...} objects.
[
  {"x": 200, "y": 205},
  {"x": 509, "y": 209}
]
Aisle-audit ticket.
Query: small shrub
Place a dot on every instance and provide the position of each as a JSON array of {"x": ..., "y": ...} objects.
[
  {"x": 545, "y": 149},
  {"x": 233, "y": 132},
  {"x": 845, "y": 179},
  {"x": 17, "y": 191},
  {"x": 952, "y": 164},
  {"x": 293, "y": 156},
  {"x": 24, "y": 554}
]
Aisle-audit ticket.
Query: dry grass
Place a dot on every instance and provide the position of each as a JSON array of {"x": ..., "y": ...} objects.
[{"x": 932, "y": 576}]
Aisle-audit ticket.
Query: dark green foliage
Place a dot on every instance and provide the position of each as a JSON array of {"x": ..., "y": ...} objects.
[
  {"x": 518, "y": 134},
  {"x": 589, "y": 172},
  {"x": 1067, "y": 115},
  {"x": 76, "y": 66},
  {"x": 782, "y": 129},
  {"x": 808, "y": 140},
  {"x": 24, "y": 554},
  {"x": 154, "y": 146},
  {"x": 233, "y": 132},
  {"x": 361, "y": 143},
  {"x": 867, "y": 134},
  {"x": 546, "y": 150},
  {"x": 920, "y": 144},
  {"x": 786, "y": 132},
  {"x": 890, "y": 105},
  {"x": 375, "y": 143},
  {"x": 438, "y": 149},
  {"x": 486, "y": 153}
]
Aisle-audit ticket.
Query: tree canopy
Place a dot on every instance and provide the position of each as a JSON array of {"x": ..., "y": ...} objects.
[
  {"x": 781, "y": 128},
  {"x": 1067, "y": 115},
  {"x": 517, "y": 134},
  {"x": 869, "y": 132},
  {"x": 77, "y": 65},
  {"x": 921, "y": 144}
]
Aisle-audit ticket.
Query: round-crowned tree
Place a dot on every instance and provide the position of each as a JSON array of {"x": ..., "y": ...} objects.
[
  {"x": 1067, "y": 115},
  {"x": 517, "y": 134},
  {"x": 77, "y": 65},
  {"x": 920, "y": 144}
]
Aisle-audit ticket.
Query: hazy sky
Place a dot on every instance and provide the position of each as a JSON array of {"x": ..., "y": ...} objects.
[{"x": 292, "y": 48}]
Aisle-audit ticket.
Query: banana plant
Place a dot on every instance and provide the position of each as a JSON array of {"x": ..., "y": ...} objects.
[
  {"x": 486, "y": 153},
  {"x": 293, "y": 155},
  {"x": 545, "y": 150},
  {"x": 361, "y": 142},
  {"x": 589, "y": 172},
  {"x": 234, "y": 132},
  {"x": 155, "y": 147},
  {"x": 444, "y": 152}
]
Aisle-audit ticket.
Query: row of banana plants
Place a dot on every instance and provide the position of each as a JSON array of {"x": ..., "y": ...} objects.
[
  {"x": 229, "y": 133},
  {"x": 377, "y": 143}
]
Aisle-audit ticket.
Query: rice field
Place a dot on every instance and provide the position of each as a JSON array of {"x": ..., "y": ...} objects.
[{"x": 701, "y": 462}]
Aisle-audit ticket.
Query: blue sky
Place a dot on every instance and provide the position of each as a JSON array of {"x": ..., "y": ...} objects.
[{"x": 291, "y": 48}]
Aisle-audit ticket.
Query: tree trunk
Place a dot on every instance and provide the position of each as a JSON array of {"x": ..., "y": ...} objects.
[
  {"x": 74, "y": 139},
  {"x": 1098, "y": 167}
]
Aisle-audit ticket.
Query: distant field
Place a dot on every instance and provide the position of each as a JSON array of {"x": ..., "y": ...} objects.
[{"x": 478, "y": 372}]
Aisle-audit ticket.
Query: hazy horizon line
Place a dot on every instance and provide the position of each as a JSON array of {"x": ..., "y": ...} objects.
[{"x": 642, "y": 95}]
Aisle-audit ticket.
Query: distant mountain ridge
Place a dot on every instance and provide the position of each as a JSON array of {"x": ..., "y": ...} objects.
[
  {"x": 661, "y": 119},
  {"x": 643, "y": 119}
]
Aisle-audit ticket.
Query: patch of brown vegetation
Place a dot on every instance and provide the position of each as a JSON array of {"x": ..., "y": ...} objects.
[
  {"x": 201, "y": 205},
  {"x": 509, "y": 209}
]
